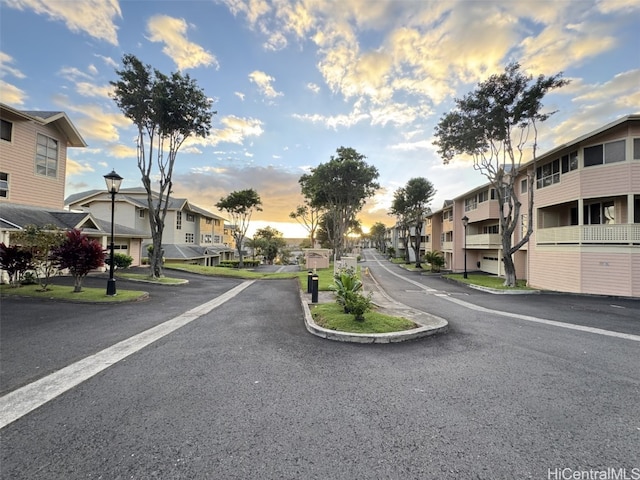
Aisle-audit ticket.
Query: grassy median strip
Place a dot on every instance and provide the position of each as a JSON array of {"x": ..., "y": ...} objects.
[
  {"x": 332, "y": 317},
  {"x": 143, "y": 277},
  {"x": 488, "y": 281},
  {"x": 58, "y": 292}
]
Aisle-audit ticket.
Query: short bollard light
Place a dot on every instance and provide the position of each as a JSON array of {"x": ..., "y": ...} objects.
[
  {"x": 309, "y": 275},
  {"x": 314, "y": 288}
]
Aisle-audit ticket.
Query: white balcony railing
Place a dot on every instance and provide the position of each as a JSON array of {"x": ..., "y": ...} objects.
[
  {"x": 590, "y": 234},
  {"x": 484, "y": 240},
  {"x": 448, "y": 246}
]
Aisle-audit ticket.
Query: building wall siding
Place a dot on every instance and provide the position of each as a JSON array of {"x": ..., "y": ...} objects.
[{"x": 25, "y": 186}]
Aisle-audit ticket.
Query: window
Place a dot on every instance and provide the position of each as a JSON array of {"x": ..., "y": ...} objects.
[
  {"x": 189, "y": 238},
  {"x": 47, "y": 156},
  {"x": 208, "y": 221},
  {"x": 524, "y": 224},
  {"x": 570, "y": 162},
  {"x": 178, "y": 220},
  {"x": 216, "y": 239},
  {"x": 4, "y": 185},
  {"x": 6, "y": 130},
  {"x": 447, "y": 215},
  {"x": 611, "y": 152},
  {"x": 636, "y": 148},
  {"x": 491, "y": 229},
  {"x": 191, "y": 217},
  {"x": 548, "y": 174},
  {"x": 206, "y": 238},
  {"x": 524, "y": 185},
  {"x": 470, "y": 204},
  {"x": 600, "y": 214},
  {"x": 141, "y": 213}
]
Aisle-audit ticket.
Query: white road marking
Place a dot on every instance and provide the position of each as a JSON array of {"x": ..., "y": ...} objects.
[
  {"x": 23, "y": 400},
  {"x": 528, "y": 318}
]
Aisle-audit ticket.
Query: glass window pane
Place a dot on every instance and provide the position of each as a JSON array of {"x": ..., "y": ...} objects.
[
  {"x": 636, "y": 148},
  {"x": 593, "y": 156},
  {"x": 614, "y": 152}
]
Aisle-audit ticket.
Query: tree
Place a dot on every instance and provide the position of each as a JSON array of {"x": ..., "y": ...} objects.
[
  {"x": 340, "y": 187},
  {"x": 269, "y": 242},
  {"x": 377, "y": 233},
  {"x": 494, "y": 124},
  {"x": 240, "y": 205},
  {"x": 166, "y": 110},
  {"x": 435, "y": 259},
  {"x": 40, "y": 242},
  {"x": 418, "y": 195},
  {"x": 309, "y": 218},
  {"x": 79, "y": 254},
  {"x": 15, "y": 261},
  {"x": 399, "y": 208}
]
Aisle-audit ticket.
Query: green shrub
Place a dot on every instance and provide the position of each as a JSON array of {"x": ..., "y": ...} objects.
[
  {"x": 435, "y": 259},
  {"x": 236, "y": 263},
  {"x": 357, "y": 304},
  {"x": 345, "y": 283},
  {"x": 120, "y": 260}
]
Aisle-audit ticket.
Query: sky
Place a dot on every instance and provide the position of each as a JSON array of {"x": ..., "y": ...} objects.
[{"x": 292, "y": 81}]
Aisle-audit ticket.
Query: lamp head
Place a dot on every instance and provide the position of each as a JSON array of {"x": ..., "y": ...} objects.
[{"x": 113, "y": 181}]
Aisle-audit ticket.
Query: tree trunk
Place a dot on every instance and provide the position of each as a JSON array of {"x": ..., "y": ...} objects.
[
  {"x": 77, "y": 284},
  {"x": 155, "y": 259},
  {"x": 509, "y": 266}
]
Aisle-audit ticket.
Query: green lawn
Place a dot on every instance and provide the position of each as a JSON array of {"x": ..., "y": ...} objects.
[
  {"x": 325, "y": 279},
  {"x": 147, "y": 278},
  {"x": 489, "y": 281},
  {"x": 332, "y": 317},
  {"x": 58, "y": 292}
]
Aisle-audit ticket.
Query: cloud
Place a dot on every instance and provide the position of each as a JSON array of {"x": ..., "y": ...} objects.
[
  {"x": 11, "y": 95},
  {"x": 333, "y": 121},
  {"x": 92, "y": 122},
  {"x": 77, "y": 168},
  {"x": 107, "y": 60},
  {"x": 278, "y": 188},
  {"x": 172, "y": 32},
  {"x": 6, "y": 68},
  {"x": 93, "y": 17},
  {"x": 263, "y": 81},
  {"x": 239, "y": 95},
  {"x": 313, "y": 87},
  {"x": 235, "y": 130},
  {"x": 87, "y": 89}
]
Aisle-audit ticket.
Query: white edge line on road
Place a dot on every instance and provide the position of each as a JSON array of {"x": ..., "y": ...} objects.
[
  {"x": 528, "y": 318},
  {"x": 26, "y": 399}
]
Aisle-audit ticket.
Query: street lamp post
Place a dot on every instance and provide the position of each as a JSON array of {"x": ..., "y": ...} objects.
[
  {"x": 465, "y": 222},
  {"x": 113, "y": 181}
]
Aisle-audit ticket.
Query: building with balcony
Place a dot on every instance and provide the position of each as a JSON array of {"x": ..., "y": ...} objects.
[{"x": 586, "y": 218}]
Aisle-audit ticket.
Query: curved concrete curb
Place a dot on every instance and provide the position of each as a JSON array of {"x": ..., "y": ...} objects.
[{"x": 429, "y": 324}]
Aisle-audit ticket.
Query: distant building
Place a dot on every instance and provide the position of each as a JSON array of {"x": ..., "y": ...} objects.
[{"x": 191, "y": 234}]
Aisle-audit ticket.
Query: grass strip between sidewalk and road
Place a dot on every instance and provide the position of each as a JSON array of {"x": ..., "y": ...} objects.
[{"x": 488, "y": 281}]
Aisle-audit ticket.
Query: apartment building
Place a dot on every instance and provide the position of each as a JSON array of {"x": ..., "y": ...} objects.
[
  {"x": 33, "y": 164},
  {"x": 191, "y": 234},
  {"x": 586, "y": 218}
]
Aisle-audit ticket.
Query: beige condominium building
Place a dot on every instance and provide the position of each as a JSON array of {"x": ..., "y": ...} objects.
[{"x": 586, "y": 218}]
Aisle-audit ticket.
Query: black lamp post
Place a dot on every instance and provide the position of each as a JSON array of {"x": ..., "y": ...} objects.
[
  {"x": 113, "y": 181},
  {"x": 465, "y": 222}
]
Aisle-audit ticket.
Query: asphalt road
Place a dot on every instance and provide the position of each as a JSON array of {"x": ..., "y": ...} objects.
[{"x": 244, "y": 392}]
